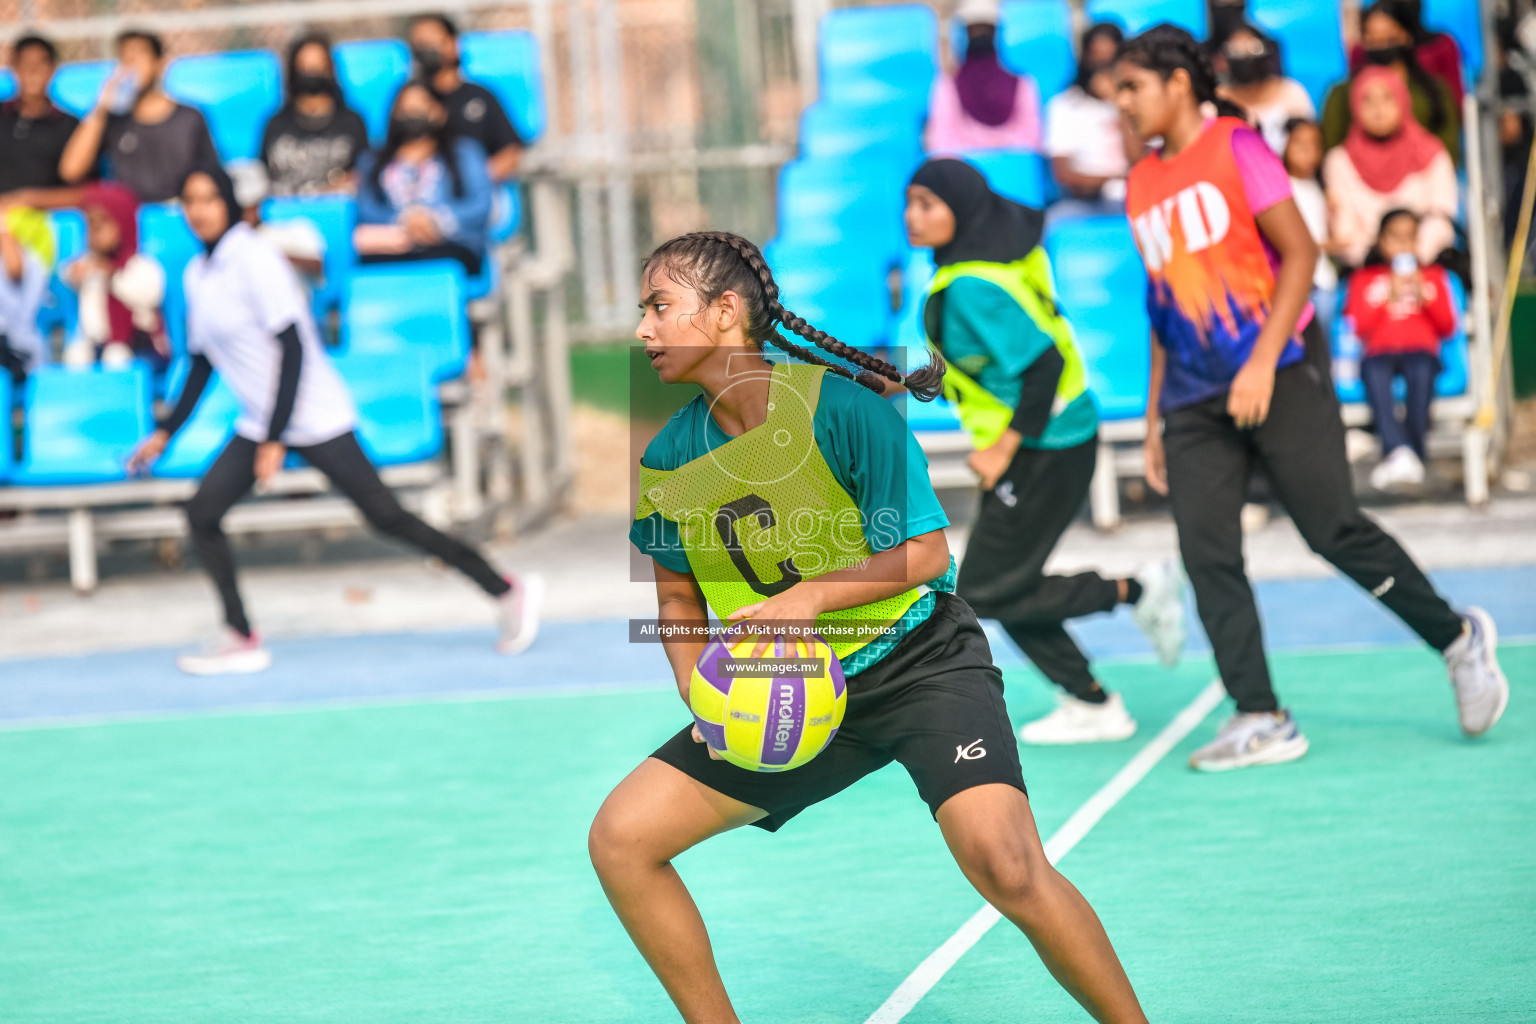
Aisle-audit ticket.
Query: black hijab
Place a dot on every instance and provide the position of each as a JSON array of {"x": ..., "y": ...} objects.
[
  {"x": 988, "y": 227},
  {"x": 226, "y": 188}
]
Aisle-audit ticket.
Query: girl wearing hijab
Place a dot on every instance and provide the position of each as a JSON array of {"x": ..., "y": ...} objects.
[
  {"x": 427, "y": 194},
  {"x": 983, "y": 105},
  {"x": 248, "y": 318},
  {"x": 1387, "y": 162},
  {"x": 1389, "y": 44},
  {"x": 120, "y": 288},
  {"x": 1017, "y": 380}
]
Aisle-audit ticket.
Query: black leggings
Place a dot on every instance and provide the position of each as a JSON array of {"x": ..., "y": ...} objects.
[
  {"x": 342, "y": 460},
  {"x": 1003, "y": 575},
  {"x": 1300, "y": 448}
]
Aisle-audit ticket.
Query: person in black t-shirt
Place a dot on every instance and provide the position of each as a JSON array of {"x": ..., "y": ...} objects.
[
  {"x": 311, "y": 145},
  {"x": 149, "y": 141},
  {"x": 33, "y": 132},
  {"x": 473, "y": 110}
]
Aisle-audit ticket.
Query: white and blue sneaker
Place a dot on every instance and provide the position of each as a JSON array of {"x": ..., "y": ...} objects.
[
  {"x": 1079, "y": 721},
  {"x": 1160, "y": 614},
  {"x": 1259, "y": 737},
  {"x": 1482, "y": 691}
]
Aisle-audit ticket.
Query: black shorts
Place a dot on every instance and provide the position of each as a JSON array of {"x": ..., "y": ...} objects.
[{"x": 934, "y": 703}]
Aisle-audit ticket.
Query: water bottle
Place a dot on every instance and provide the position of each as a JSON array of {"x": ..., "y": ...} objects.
[{"x": 1346, "y": 357}]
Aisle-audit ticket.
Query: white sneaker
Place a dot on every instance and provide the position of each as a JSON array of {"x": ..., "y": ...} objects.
[
  {"x": 1482, "y": 692},
  {"x": 1360, "y": 445},
  {"x": 1259, "y": 737},
  {"x": 1077, "y": 721},
  {"x": 230, "y": 654},
  {"x": 518, "y": 613},
  {"x": 1401, "y": 468},
  {"x": 1160, "y": 614},
  {"x": 1254, "y": 517}
]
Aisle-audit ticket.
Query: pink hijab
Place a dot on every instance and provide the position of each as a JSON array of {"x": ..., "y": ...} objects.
[{"x": 1383, "y": 163}]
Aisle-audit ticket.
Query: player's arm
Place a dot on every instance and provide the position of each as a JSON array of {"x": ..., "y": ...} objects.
[
  {"x": 1152, "y": 451},
  {"x": 1252, "y": 388},
  {"x": 680, "y": 603}
]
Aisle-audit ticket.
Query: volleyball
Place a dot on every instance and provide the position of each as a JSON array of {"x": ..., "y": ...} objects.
[{"x": 767, "y": 704}]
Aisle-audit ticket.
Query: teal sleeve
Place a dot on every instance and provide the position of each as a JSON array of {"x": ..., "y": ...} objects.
[
  {"x": 658, "y": 538},
  {"x": 877, "y": 460},
  {"x": 985, "y": 328}
]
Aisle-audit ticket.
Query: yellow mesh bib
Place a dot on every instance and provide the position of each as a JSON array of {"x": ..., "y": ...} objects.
[{"x": 763, "y": 511}]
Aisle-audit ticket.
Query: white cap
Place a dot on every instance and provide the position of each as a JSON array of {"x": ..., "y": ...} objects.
[{"x": 977, "y": 12}]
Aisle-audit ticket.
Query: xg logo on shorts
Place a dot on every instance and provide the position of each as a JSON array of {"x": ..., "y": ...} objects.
[{"x": 971, "y": 753}]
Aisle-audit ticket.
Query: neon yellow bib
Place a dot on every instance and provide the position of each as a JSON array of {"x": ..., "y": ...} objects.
[
  {"x": 763, "y": 511},
  {"x": 1029, "y": 283}
]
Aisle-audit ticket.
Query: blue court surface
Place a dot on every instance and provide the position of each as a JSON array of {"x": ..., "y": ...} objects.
[{"x": 392, "y": 828}]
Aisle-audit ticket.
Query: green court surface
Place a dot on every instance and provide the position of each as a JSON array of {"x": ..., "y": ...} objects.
[{"x": 427, "y": 862}]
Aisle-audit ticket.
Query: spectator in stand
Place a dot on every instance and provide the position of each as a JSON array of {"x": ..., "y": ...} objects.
[
  {"x": 473, "y": 111},
  {"x": 33, "y": 132},
  {"x": 982, "y": 105},
  {"x": 23, "y": 280},
  {"x": 1250, "y": 63},
  {"x": 121, "y": 289},
  {"x": 1303, "y": 159},
  {"x": 1387, "y": 162},
  {"x": 1402, "y": 312},
  {"x": 1515, "y": 130},
  {"x": 148, "y": 141},
  {"x": 312, "y": 144},
  {"x": 1388, "y": 44},
  {"x": 1085, "y": 136},
  {"x": 1435, "y": 52},
  {"x": 426, "y": 194}
]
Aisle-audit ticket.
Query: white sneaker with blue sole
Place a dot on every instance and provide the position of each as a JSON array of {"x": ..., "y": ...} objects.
[
  {"x": 1244, "y": 740},
  {"x": 1482, "y": 691}
]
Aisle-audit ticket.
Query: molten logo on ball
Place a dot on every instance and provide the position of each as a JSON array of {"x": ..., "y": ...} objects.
[{"x": 767, "y": 705}]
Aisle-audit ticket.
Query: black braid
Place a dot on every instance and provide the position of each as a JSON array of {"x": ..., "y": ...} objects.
[
  {"x": 694, "y": 256},
  {"x": 1167, "y": 48}
]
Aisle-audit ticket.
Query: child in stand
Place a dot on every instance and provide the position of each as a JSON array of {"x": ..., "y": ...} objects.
[
  {"x": 1402, "y": 313},
  {"x": 120, "y": 288},
  {"x": 1303, "y": 158}
]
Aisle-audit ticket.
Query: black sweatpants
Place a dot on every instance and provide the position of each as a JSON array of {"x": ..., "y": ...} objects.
[
  {"x": 1300, "y": 448},
  {"x": 1003, "y": 575},
  {"x": 341, "y": 459}
]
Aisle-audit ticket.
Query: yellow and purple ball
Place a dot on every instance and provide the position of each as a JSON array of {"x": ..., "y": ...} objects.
[{"x": 767, "y": 704}]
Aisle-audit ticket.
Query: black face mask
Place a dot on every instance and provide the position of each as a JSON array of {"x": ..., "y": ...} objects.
[
  {"x": 313, "y": 85},
  {"x": 412, "y": 128},
  {"x": 1248, "y": 69},
  {"x": 1385, "y": 55},
  {"x": 431, "y": 61}
]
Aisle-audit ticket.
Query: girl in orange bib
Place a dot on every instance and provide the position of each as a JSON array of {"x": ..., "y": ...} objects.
[{"x": 1240, "y": 381}]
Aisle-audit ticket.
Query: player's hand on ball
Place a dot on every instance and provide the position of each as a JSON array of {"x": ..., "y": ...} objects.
[
  {"x": 1252, "y": 388},
  {"x": 713, "y": 756},
  {"x": 797, "y": 604}
]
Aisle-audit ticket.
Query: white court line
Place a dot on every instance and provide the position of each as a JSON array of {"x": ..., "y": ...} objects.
[{"x": 938, "y": 963}]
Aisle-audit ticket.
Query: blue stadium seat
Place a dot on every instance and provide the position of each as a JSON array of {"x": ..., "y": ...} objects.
[
  {"x": 870, "y": 56},
  {"x": 61, "y": 306},
  {"x": 82, "y": 424},
  {"x": 408, "y": 307},
  {"x": 334, "y": 217},
  {"x": 851, "y": 303},
  {"x": 1311, "y": 41},
  {"x": 831, "y": 131},
  {"x": 205, "y": 433},
  {"x": 908, "y": 334},
  {"x": 76, "y": 87},
  {"x": 836, "y": 202},
  {"x": 507, "y": 63},
  {"x": 371, "y": 72},
  {"x": 165, "y": 235},
  {"x": 7, "y": 449},
  {"x": 1101, "y": 287},
  {"x": 236, "y": 91},
  {"x": 1139, "y": 15},
  {"x": 398, "y": 417},
  {"x": 1035, "y": 38},
  {"x": 7, "y": 84},
  {"x": 1454, "y": 372},
  {"x": 1462, "y": 20},
  {"x": 1018, "y": 175},
  {"x": 506, "y": 212}
]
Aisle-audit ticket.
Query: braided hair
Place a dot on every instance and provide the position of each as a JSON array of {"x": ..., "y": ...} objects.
[
  {"x": 1167, "y": 48},
  {"x": 715, "y": 262}
]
